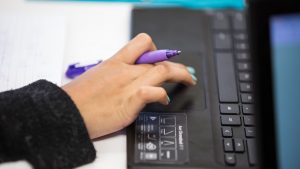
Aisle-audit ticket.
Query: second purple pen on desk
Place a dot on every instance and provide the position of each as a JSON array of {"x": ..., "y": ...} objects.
[{"x": 147, "y": 58}]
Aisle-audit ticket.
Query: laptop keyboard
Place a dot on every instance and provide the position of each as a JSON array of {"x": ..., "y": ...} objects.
[{"x": 234, "y": 75}]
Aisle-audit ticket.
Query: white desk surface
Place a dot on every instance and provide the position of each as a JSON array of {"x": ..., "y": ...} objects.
[{"x": 94, "y": 31}]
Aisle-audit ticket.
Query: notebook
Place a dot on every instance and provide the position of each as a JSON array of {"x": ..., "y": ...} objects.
[{"x": 29, "y": 50}]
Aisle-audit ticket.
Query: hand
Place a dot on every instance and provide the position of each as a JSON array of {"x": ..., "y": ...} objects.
[{"x": 110, "y": 95}]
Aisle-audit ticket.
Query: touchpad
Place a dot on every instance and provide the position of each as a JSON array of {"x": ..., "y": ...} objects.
[
  {"x": 177, "y": 29},
  {"x": 184, "y": 97}
]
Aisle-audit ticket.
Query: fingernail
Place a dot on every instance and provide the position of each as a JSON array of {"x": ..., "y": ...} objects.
[
  {"x": 168, "y": 99},
  {"x": 194, "y": 77},
  {"x": 191, "y": 69}
]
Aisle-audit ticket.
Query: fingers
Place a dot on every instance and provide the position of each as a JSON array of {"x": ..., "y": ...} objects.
[
  {"x": 138, "y": 70},
  {"x": 166, "y": 71},
  {"x": 135, "y": 48},
  {"x": 179, "y": 65},
  {"x": 144, "y": 95},
  {"x": 149, "y": 94}
]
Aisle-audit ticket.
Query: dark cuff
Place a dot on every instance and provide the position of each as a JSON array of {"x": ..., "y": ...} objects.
[{"x": 45, "y": 127}]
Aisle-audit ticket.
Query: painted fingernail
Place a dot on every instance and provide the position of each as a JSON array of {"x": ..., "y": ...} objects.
[
  {"x": 194, "y": 77},
  {"x": 191, "y": 69},
  {"x": 168, "y": 99}
]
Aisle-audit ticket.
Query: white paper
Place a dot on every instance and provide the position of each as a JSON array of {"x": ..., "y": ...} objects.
[{"x": 31, "y": 48}]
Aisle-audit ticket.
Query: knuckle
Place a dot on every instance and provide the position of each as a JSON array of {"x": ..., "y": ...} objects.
[
  {"x": 142, "y": 93},
  {"x": 114, "y": 64},
  {"x": 186, "y": 73},
  {"x": 146, "y": 38},
  {"x": 162, "y": 69},
  {"x": 181, "y": 65}
]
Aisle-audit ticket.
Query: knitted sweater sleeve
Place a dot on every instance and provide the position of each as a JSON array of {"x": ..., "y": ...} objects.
[{"x": 41, "y": 124}]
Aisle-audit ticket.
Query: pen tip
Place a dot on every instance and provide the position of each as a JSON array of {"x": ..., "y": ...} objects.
[{"x": 178, "y": 52}]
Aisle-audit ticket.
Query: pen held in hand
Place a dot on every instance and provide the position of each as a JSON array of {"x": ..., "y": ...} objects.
[
  {"x": 157, "y": 56},
  {"x": 151, "y": 57}
]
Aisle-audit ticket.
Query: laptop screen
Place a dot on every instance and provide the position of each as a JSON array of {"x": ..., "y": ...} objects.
[{"x": 285, "y": 48}]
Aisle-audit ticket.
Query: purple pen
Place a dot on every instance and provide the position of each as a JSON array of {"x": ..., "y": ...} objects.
[
  {"x": 157, "y": 56},
  {"x": 75, "y": 70}
]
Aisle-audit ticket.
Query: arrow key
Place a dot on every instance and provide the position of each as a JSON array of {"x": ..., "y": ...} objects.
[
  {"x": 230, "y": 159},
  {"x": 228, "y": 147},
  {"x": 227, "y": 131},
  {"x": 239, "y": 145}
]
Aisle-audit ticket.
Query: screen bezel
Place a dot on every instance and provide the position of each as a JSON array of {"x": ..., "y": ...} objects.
[{"x": 260, "y": 13}]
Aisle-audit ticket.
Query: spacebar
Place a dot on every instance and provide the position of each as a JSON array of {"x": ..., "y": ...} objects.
[{"x": 226, "y": 78}]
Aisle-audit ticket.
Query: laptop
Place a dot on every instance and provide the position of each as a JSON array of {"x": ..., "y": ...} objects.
[{"x": 222, "y": 122}]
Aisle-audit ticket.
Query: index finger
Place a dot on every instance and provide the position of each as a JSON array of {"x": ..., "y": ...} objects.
[{"x": 135, "y": 48}]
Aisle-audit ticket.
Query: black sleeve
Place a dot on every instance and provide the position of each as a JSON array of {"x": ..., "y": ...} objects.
[{"x": 41, "y": 124}]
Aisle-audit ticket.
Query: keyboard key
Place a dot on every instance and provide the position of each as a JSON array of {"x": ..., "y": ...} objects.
[
  {"x": 221, "y": 21},
  {"x": 246, "y": 87},
  {"x": 242, "y": 56},
  {"x": 248, "y": 109},
  {"x": 251, "y": 147},
  {"x": 250, "y": 132},
  {"x": 247, "y": 98},
  {"x": 226, "y": 78},
  {"x": 244, "y": 66},
  {"x": 241, "y": 46},
  {"x": 229, "y": 109},
  {"x": 222, "y": 40},
  {"x": 228, "y": 120},
  {"x": 239, "y": 145},
  {"x": 240, "y": 36},
  {"x": 227, "y": 132},
  {"x": 239, "y": 21},
  {"x": 228, "y": 147},
  {"x": 244, "y": 76},
  {"x": 249, "y": 120},
  {"x": 230, "y": 159}
]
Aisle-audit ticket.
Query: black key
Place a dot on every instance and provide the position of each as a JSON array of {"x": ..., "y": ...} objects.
[
  {"x": 246, "y": 87},
  {"x": 222, "y": 40},
  {"x": 226, "y": 78},
  {"x": 239, "y": 21},
  {"x": 247, "y": 98},
  {"x": 244, "y": 66},
  {"x": 228, "y": 120},
  {"x": 239, "y": 145},
  {"x": 249, "y": 120},
  {"x": 230, "y": 159},
  {"x": 229, "y": 108},
  {"x": 240, "y": 36},
  {"x": 220, "y": 21},
  {"x": 250, "y": 132},
  {"x": 227, "y": 132},
  {"x": 244, "y": 76},
  {"x": 228, "y": 147},
  {"x": 242, "y": 56},
  {"x": 248, "y": 109},
  {"x": 241, "y": 46},
  {"x": 251, "y": 147}
]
